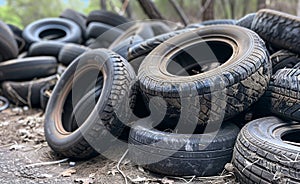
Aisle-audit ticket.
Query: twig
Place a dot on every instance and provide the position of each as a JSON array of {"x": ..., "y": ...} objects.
[
  {"x": 118, "y": 166},
  {"x": 181, "y": 13},
  {"x": 47, "y": 163},
  {"x": 124, "y": 7},
  {"x": 250, "y": 164}
]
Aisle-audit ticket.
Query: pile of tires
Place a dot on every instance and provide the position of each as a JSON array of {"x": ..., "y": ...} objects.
[{"x": 174, "y": 97}]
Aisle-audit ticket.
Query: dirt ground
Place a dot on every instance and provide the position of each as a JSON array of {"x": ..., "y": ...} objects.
[{"x": 25, "y": 157}]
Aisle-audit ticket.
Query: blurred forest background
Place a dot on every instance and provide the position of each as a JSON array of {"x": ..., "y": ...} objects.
[{"x": 22, "y": 12}]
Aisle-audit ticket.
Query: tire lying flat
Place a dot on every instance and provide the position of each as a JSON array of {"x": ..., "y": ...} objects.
[
  {"x": 92, "y": 134},
  {"x": 181, "y": 154},
  {"x": 8, "y": 45},
  {"x": 220, "y": 92},
  {"x": 266, "y": 151},
  {"x": 284, "y": 59}
]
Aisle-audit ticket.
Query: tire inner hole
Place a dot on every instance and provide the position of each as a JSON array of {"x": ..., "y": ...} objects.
[
  {"x": 199, "y": 58},
  {"x": 79, "y": 106},
  {"x": 52, "y": 34},
  {"x": 292, "y": 137}
]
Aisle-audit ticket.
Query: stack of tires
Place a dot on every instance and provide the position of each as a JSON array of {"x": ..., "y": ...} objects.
[{"x": 173, "y": 98}]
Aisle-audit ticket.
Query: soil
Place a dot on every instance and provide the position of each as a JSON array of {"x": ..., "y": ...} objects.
[{"x": 25, "y": 157}]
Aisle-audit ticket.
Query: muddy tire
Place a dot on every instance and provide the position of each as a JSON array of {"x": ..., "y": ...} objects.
[
  {"x": 206, "y": 91},
  {"x": 92, "y": 135},
  {"x": 179, "y": 154},
  {"x": 266, "y": 151},
  {"x": 279, "y": 29}
]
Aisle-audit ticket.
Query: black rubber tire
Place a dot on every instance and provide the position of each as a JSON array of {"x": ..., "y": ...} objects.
[
  {"x": 181, "y": 154},
  {"x": 63, "y": 30},
  {"x": 281, "y": 30},
  {"x": 44, "y": 97},
  {"x": 109, "y": 18},
  {"x": 22, "y": 45},
  {"x": 27, "y": 68},
  {"x": 218, "y": 22},
  {"x": 123, "y": 47},
  {"x": 45, "y": 48},
  {"x": 243, "y": 78},
  {"x": 96, "y": 29},
  {"x": 117, "y": 85},
  {"x": 76, "y": 17},
  {"x": 70, "y": 52},
  {"x": 284, "y": 59},
  {"x": 145, "y": 30},
  {"x": 26, "y": 93},
  {"x": 4, "y": 103},
  {"x": 8, "y": 45},
  {"x": 246, "y": 21},
  {"x": 147, "y": 46},
  {"x": 261, "y": 154},
  {"x": 282, "y": 98}
]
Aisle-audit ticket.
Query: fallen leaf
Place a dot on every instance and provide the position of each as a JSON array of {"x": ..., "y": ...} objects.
[{"x": 68, "y": 172}]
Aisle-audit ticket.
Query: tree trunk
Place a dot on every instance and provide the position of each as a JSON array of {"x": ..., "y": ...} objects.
[
  {"x": 261, "y": 4},
  {"x": 208, "y": 10},
  {"x": 298, "y": 8},
  {"x": 180, "y": 12},
  {"x": 103, "y": 4},
  {"x": 150, "y": 9},
  {"x": 128, "y": 9}
]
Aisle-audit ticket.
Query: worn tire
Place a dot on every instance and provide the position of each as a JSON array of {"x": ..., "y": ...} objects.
[
  {"x": 218, "y": 22},
  {"x": 217, "y": 92},
  {"x": 70, "y": 52},
  {"x": 279, "y": 29},
  {"x": 26, "y": 93},
  {"x": 101, "y": 122},
  {"x": 27, "y": 68},
  {"x": 45, "y": 94},
  {"x": 122, "y": 48},
  {"x": 45, "y": 48},
  {"x": 282, "y": 98},
  {"x": 178, "y": 154},
  {"x": 8, "y": 45},
  {"x": 261, "y": 154},
  {"x": 76, "y": 17},
  {"x": 62, "y": 30},
  {"x": 4, "y": 103},
  {"x": 284, "y": 59},
  {"x": 109, "y": 18},
  {"x": 96, "y": 29},
  {"x": 22, "y": 45},
  {"x": 246, "y": 21}
]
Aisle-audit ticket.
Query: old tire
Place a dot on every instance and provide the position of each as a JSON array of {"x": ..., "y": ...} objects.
[
  {"x": 8, "y": 44},
  {"x": 55, "y": 29},
  {"x": 284, "y": 59},
  {"x": 266, "y": 151},
  {"x": 70, "y": 52},
  {"x": 190, "y": 76},
  {"x": 246, "y": 21},
  {"x": 45, "y": 48},
  {"x": 102, "y": 122},
  {"x": 175, "y": 154},
  {"x": 26, "y": 93},
  {"x": 27, "y": 68},
  {"x": 281, "y": 30}
]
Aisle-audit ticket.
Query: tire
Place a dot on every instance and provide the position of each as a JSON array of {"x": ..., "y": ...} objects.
[
  {"x": 45, "y": 48},
  {"x": 206, "y": 85},
  {"x": 4, "y": 103},
  {"x": 28, "y": 68},
  {"x": 8, "y": 44},
  {"x": 45, "y": 94},
  {"x": 279, "y": 29},
  {"x": 145, "y": 30},
  {"x": 262, "y": 155},
  {"x": 55, "y": 29},
  {"x": 218, "y": 22},
  {"x": 178, "y": 154},
  {"x": 123, "y": 47},
  {"x": 109, "y": 18},
  {"x": 79, "y": 143},
  {"x": 284, "y": 59},
  {"x": 281, "y": 98},
  {"x": 138, "y": 52},
  {"x": 96, "y": 29},
  {"x": 26, "y": 93},
  {"x": 22, "y": 45},
  {"x": 70, "y": 52},
  {"x": 76, "y": 17},
  {"x": 246, "y": 21}
]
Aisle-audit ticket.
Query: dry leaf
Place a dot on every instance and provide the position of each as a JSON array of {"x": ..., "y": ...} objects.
[{"x": 68, "y": 172}]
